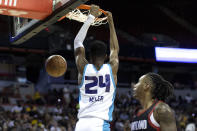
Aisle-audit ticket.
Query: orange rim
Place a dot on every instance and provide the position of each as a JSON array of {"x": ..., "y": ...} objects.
[
  {"x": 87, "y": 7},
  {"x": 84, "y": 7}
]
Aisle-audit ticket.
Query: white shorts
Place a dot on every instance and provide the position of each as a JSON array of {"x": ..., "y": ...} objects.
[{"x": 92, "y": 124}]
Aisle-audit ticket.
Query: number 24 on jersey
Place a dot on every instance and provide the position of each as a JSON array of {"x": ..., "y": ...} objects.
[{"x": 97, "y": 81}]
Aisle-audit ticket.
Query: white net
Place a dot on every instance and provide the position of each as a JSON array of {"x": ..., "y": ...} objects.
[{"x": 82, "y": 16}]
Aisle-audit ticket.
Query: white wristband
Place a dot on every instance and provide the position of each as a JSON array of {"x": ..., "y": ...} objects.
[
  {"x": 78, "y": 42},
  {"x": 90, "y": 18}
]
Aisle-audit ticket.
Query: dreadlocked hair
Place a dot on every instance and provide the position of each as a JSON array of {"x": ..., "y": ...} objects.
[{"x": 162, "y": 89}]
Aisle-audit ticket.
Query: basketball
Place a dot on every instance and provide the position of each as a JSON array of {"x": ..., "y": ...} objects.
[{"x": 56, "y": 65}]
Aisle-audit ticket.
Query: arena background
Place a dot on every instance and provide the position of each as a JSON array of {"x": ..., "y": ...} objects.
[{"x": 32, "y": 99}]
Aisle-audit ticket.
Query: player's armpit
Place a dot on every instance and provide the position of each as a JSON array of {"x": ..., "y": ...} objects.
[
  {"x": 165, "y": 117},
  {"x": 80, "y": 59}
]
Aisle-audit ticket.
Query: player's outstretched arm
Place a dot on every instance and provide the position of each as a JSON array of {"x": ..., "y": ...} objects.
[
  {"x": 79, "y": 49},
  {"x": 165, "y": 117},
  {"x": 114, "y": 47}
]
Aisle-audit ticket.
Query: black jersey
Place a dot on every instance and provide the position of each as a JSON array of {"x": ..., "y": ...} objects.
[{"x": 144, "y": 121}]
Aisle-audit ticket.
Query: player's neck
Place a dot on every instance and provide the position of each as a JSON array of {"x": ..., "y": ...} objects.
[
  {"x": 98, "y": 64},
  {"x": 147, "y": 102}
]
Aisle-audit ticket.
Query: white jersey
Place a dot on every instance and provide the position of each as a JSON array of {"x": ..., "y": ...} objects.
[{"x": 97, "y": 93}]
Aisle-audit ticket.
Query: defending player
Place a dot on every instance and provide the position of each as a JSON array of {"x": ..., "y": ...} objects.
[
  {"x": 97, "y": 80},
  {"x": 152, "y": 90}
]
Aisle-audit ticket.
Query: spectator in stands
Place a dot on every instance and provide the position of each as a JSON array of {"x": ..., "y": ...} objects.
[
  {"x": 55, "y": 126},
  {"x": 119, "y": 125},
  {"x": 127, "y": 125},
  {"x": 188, "y": 98},
  {"x": 191, "y": 126},
  {"x": 67, "y": 98},
  {"x": 38, "y": 98},
  {"x": 17, "y": 108}
]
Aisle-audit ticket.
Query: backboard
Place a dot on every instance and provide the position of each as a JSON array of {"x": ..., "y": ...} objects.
[{"x": 29, "y": 17}]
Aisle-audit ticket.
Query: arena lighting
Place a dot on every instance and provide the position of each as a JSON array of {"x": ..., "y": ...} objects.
[{"x": 181, "y": 55}]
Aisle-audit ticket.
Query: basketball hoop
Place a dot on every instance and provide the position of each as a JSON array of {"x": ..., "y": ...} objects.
[{"x": 81, "y": 14}]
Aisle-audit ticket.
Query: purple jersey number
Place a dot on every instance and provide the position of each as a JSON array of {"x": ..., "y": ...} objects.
[{"x": 97, "y": 82}]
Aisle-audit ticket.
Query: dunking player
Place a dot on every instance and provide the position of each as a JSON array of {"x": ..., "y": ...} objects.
[
  {"x": 97, "y": 80},
  {"x": 152, "y": 90}
]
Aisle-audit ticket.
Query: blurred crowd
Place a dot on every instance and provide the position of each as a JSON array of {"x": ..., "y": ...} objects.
[
  {"x": 57, "y": 111},
  {"x": 54, "y": 111}
]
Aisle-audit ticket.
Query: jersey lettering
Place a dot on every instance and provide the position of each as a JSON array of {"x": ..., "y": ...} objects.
[
  {"x": 139, "y": 125},
  {"x": 97, "y": 82},
  {"x": 96, "y": 99},
  {"x": 94, "y": 83}
]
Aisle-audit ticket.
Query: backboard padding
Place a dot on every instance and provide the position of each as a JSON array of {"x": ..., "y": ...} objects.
[{"x": 40, "y": 25}]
